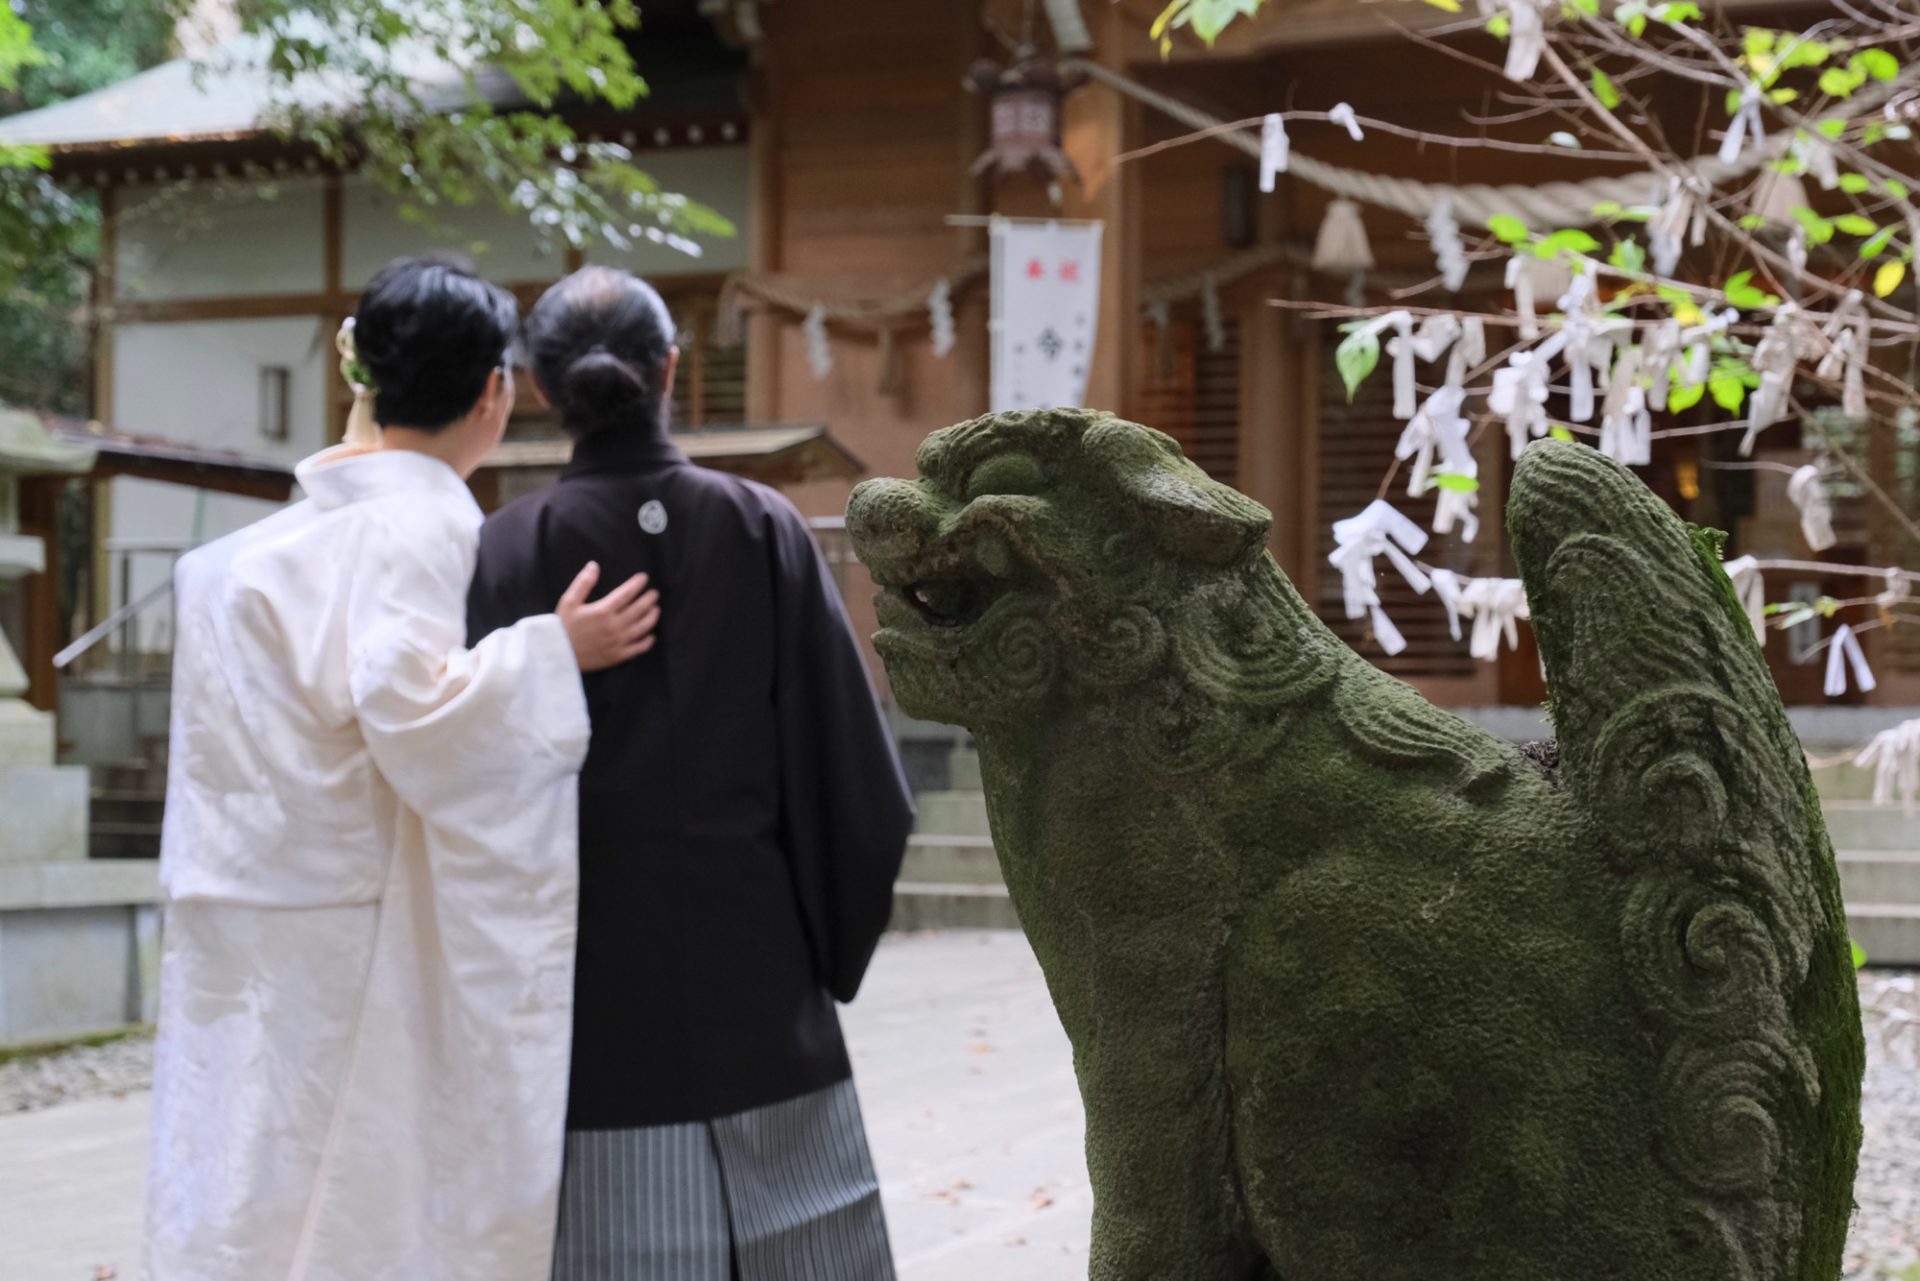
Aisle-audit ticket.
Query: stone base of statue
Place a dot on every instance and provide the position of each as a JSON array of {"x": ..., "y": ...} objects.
[{"x": 1357, "y": 991}]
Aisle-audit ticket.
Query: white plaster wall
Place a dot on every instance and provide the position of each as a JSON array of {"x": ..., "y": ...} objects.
[
  {"x": 221, "y": 240},
  {"x": 372, "y": 234},
  {"x": 198, "y": 381},
  {"x": 717, "y": 177}
]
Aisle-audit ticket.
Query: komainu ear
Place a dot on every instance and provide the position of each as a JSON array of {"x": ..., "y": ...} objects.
[{"x": 1184, "y": 512}]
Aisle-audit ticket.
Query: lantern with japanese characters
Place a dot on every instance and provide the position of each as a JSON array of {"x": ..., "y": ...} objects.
[{"x": 1024, "y": 117}]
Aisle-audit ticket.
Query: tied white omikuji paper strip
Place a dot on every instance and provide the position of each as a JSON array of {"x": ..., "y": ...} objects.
[
  {"x": 940, "y": 317},
  {"x": 1448, "y": 253},
  {"x": 1496, "y": 606},
  {"x": 1626, "y": 427},
  {"x": 1776, "y": 357},
  {"x": 1379, "y": 529},
  {"x": 1526, "y": 34},
  {"x": 1848, "y": 331},
  {"x": 1275, "y": 149},
  {"x": 1440, "y": 429},
  {"x": 1343, "y": 115},
  {"x": 1751, "y": 588},
  {"x": 1843, "y": 653},
  {"x": 819, "y": 350},
  {"x": 1894, "y": 757},
  {"x": 1746, "y": 121},
  {"x": 1806, "y": 492}
]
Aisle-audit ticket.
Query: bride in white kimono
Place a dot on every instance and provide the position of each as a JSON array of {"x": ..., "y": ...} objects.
[{"x": 369, "y": 856}]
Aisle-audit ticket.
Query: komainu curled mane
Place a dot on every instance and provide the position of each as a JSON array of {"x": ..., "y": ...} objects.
[{"x": 1358, "y": 992}]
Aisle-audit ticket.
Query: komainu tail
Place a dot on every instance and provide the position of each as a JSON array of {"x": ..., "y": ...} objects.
[{"x": 1674, "y": 742}]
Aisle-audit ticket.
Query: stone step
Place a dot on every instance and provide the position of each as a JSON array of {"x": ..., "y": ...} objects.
[
  {"x": 1879, "y": 876},
  {"x": 127, "y": 807},
  {"x": 952, "y": 814},
  {"x": 964, "y": 770},
  {"x": 1889, "y": 933},
  {"x": 924, "y": 905},
  {"x": 967, "y": 860},
  {"x": 121, "y": 840},
  {"x": 1861, "y": 825},
  {"x": 1842, "y": 782}
]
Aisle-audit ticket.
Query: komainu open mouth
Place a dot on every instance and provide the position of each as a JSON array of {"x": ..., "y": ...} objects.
[{"x": 950, "y": 602}]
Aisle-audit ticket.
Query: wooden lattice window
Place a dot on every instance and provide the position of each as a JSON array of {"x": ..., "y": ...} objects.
[{"x": 1191, "y": 391}]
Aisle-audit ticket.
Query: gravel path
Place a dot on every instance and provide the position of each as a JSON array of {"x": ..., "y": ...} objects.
[{"x": 1884, "y": 1244}]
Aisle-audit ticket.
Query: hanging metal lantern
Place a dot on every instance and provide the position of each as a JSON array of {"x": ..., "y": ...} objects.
[{"x": 1024, "y": 108}]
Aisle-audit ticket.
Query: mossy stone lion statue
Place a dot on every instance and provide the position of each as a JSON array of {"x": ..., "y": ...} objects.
[{"x": 1356, "y": 991}]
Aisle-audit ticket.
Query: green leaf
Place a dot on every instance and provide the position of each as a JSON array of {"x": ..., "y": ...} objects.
[
  {"x": 1677, "y": 12},
  {"x": 1895, "y": 188},
  {"x": 1877, "y": 245},
  {"x": 1819, "y": 230},
  {"x": 1586, "y": 8},
  {"x": 1499, "y": 26},
  {"x": 1752, "y": 222},
  {"x": 1840, "y": 82},
  {"x": 1859, "y": 954},
  {"x": 1733, "y": 102},
  {"x": 1604, "y": 90},
  {"x": 1508, "y": 228},
  {"x": 1781, "y": 97},
  {"x": 1742, "y": 293},
  {"x": 1802, "y": 53},
  {"x": 1683, "y": 396},
  {"x": 1856, "y": 224},
  {"x": 1758, "y": 40},
  {"x": 1832, "y": 128},
  {"x": 1855, "y": 184},
  {"x": 1888, "y": 278},
  {"x": 1355, "y": 358},
  {"x": 1608, "y": 209},
  {"x": 1455, "y": 483},
  {"x": 1727, "y": 391},
  {"x": 1560, "y": 433},
  {"x": 1877, "y": 63},
  {"x": 1450, "y": 6},
  {"x": 1571, "y": 240},
  {"x": 1627, "y": 255}
]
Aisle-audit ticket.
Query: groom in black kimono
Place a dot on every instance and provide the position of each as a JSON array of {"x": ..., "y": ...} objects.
[{"x": 742, "y": 819}]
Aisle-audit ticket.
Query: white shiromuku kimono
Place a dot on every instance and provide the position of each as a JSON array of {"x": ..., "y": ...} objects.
[{"x": 370, "y": 884}]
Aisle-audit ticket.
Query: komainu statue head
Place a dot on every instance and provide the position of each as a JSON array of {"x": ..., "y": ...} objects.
[{"x": 1027, "y": 554}]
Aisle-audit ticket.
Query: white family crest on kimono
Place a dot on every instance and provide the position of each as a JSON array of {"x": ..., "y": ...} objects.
[{"x": 369, "y": 872}]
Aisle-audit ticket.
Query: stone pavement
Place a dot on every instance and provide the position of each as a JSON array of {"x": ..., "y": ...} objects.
[{"x": 963, "y": 1072}]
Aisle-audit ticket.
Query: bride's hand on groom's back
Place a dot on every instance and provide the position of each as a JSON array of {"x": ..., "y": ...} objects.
[{"x": 613, "y": 629}]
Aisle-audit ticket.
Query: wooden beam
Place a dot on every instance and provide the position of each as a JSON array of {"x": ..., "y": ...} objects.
[{"x": 40, "y": 593}]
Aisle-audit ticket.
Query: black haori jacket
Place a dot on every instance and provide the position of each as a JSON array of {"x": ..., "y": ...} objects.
[{"x": 743, "y": 812}]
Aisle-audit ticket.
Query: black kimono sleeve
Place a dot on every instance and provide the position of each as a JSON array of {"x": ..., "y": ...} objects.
[{"x": 846, "y": 812}]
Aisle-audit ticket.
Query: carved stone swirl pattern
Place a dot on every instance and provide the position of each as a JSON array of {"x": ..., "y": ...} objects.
[{"x": 1358, "y": 992}]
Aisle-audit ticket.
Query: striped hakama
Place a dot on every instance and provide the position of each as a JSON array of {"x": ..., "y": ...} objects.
[{"x": 785, "y": 1192}]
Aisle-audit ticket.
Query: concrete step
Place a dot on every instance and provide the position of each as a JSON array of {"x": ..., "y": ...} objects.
[
  {"x": 952, "y": 814},
  {"x": 1861, "y": 825},
  {"x": 1879, "y": 876},
  {"x": 126, "y": 807},
  {"x": 1889, "y": 933},
  {"x": 112, "y": 840},
  {"x": 964, "y": 770},
  {"x": 929, "y": 905},
  {"x": 966, "y": 860}
]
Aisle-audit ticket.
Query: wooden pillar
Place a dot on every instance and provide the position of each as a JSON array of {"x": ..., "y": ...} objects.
[
  {"x": 764, "y": 219},
  {"x": 1098, "y": 125},
  {"x": 105, "y": 295},
  {"x": 332, "y": 232},
  {"x": 40, "y": 593}
]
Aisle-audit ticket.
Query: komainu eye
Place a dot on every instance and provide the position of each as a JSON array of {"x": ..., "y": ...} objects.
[{"x": 1006, "y": 474}]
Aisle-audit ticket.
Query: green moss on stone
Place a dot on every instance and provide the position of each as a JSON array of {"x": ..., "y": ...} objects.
[{"x": 1355, "y": 990}]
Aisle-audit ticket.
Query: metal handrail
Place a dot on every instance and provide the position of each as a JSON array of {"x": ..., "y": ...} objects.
[{"x": 101, "y": 630}]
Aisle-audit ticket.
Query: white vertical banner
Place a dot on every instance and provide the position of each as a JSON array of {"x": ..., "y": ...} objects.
[{"x": 1046, "y": 299}]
